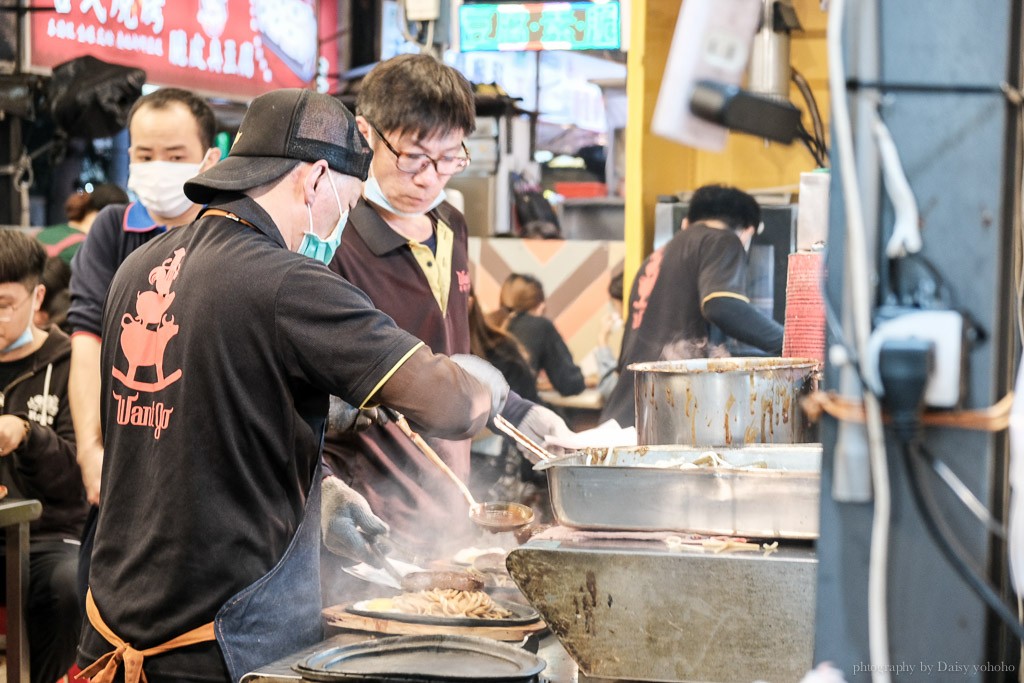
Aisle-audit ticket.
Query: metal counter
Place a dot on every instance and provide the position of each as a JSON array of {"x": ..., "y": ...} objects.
[{"x": 633, "y": 609}]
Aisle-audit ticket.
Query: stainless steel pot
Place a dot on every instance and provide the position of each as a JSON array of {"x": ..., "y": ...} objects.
[{"x": 723, "y": 401}]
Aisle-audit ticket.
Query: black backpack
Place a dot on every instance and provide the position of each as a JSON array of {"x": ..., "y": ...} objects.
[{"x": 534, "y": 214}]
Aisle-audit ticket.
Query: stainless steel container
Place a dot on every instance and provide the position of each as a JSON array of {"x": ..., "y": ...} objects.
[
  {"x": 723, "y": 401},
  {"x": 644, "y": 489}
]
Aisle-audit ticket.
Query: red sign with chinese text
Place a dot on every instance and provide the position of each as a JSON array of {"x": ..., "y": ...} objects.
[{"x": 229, "y": 48}]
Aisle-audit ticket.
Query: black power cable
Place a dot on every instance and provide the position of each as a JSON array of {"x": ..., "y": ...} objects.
[
  {"x": 812, "y": 107},
  {"x": 811, "y": 144},
  {"x": 904, "y": 367},
  {"x": 950, "y": 546}
]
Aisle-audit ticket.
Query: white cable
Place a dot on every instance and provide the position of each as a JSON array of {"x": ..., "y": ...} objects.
[
  {"x": 1018, "y": 260},
  {"x": 403, "y": 26},
  {"x": 857, "y": 263},
  {"x": 906, "y": 233},
  {"x": 1020, "y": 615},
  {"x": 1018, "y": 233}
]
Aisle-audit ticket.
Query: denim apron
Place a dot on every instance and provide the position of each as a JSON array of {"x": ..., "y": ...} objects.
[
  {"x": 277, "y": 615},
  {"x": 280, "y": 613}
]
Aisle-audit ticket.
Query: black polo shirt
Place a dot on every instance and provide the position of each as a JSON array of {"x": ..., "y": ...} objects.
[
  {"x": 402, "y": 486},
  {"x": 378, "y": 260},
  {"x": 667, "y": 301},
  {"x": 220, "y": 348}
]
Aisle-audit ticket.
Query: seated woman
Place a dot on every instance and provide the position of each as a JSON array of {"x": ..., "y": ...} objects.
[
  {"x": 607, "y": 359},
  {"x": 503, "y": 351},
  {"x": 521, "y": 315},
  {"x": 505, "y": 474}
]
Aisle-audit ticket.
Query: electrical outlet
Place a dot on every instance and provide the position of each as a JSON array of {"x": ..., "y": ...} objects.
[
  {"x": 422, "y": 10},
  {"x": 945, "y": 329},
  {"x": 711, "y": 42}
]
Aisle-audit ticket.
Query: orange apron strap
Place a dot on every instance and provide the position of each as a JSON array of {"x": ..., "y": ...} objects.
[{"x": 105, "y": 668}]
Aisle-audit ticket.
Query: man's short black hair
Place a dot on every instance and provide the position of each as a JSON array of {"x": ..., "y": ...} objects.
[
  {"x": 732, "y": 206},
  {"x": 417, "y": 94},
  {"x": 201, "y": 111},
  {"x": 22, "y": 258}
]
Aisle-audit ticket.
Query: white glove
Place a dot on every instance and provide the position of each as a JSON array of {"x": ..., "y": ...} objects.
[
  {"x": 348, "y": 525},
  {"x": 538, "y": 424},
  {"x": 489, "y": 375}
]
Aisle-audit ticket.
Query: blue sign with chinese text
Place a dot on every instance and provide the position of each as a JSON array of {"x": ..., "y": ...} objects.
[{"x": 501, "y": 27}]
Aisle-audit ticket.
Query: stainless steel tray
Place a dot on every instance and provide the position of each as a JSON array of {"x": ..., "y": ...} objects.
[{"x": 625, "y": 490}]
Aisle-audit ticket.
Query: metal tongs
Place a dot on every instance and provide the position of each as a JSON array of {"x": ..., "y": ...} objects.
[
  {"x": 526, "y": 442},
  {"x": 385, "y": 564}
]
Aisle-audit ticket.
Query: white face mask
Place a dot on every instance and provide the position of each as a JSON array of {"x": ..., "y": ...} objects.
[
  {"x": 159, "y": 185},
  {"x": 373, "y": 193},
  {"x": 25, "y": 338}
]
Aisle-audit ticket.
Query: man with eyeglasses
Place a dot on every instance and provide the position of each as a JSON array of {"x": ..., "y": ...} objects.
[
  {"x": 406, "y": 247},
  {"x": 37, "y": 455}
]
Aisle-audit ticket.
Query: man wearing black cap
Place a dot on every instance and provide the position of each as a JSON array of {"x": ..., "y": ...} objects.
[{"x": 221, "y": 346}]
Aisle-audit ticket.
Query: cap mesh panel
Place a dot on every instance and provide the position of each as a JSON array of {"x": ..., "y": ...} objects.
[{"x": 326, "y": 130}]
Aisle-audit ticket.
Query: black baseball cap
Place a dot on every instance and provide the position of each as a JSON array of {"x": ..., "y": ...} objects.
[{"x": 281, "y": 129}]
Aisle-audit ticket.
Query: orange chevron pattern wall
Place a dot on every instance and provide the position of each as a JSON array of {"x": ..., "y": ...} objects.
[{"x": 575, "y": 274}]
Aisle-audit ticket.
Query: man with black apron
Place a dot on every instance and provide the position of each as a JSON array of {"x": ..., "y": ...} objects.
[
  {"x": 222, "y": 341},
  {"x": 695, "y": 281}
]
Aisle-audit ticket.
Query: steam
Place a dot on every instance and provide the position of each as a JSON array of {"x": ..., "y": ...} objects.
[{"x": 686, "y": 349}]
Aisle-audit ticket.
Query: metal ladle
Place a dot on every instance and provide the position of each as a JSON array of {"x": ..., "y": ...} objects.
[{"x": 494, "y": 516}]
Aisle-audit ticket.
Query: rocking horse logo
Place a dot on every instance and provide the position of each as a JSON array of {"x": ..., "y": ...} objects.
[{"x": 144, "y": 336}]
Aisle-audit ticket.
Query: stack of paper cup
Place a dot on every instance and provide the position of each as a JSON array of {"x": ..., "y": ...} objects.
[{"x": 804, "y": 335}]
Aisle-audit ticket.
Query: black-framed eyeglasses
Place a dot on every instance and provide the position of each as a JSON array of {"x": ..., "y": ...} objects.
[{"x": 417, "y": 163}]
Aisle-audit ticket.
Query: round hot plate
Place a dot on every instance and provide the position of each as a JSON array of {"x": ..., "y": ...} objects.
[{"x": 418, "y": 659}]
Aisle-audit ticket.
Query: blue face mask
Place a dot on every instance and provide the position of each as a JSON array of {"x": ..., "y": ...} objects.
[
  {"x": 373, "y": 193},
  {"x": 319, "y": 248},
  {"x": 25, "y": 338}
]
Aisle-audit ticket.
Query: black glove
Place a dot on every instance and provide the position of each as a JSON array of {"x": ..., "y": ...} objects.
[
  {"x": 344, "y": 418},
  {"x": 348, "y": 525},
  {"x": 489, "y": 375}
]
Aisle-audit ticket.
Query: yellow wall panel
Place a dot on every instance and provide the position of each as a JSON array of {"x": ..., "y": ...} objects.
[{"x": 656, "y": 166}]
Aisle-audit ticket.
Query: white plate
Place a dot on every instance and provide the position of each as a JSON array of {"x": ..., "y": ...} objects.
[{"x": 379, "y": 576}]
